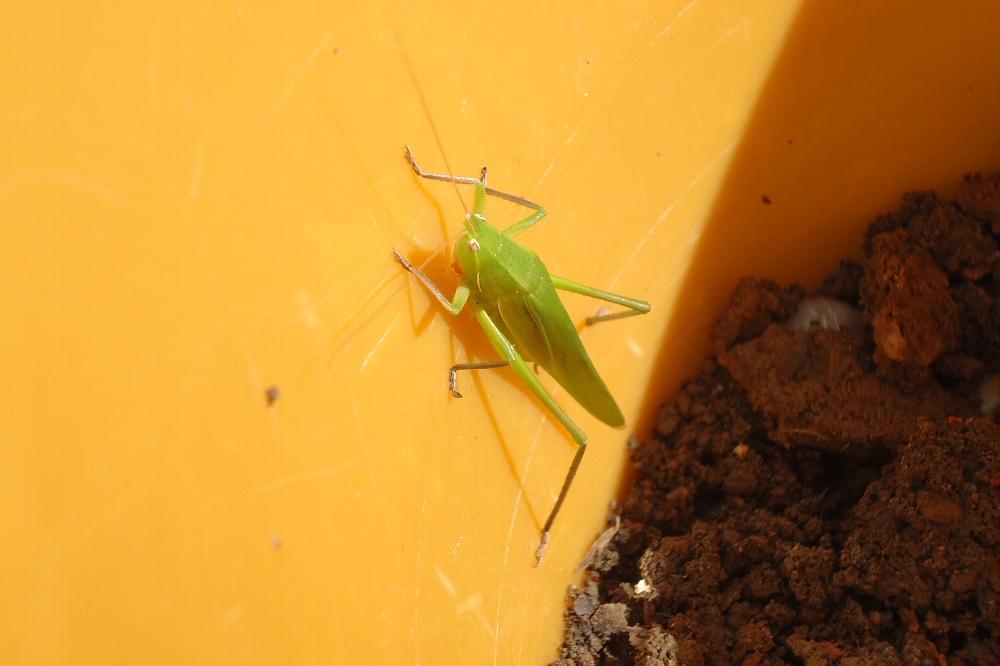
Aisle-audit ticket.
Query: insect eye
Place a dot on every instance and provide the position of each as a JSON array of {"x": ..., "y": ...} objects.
[{"x": 473, "y": 245}]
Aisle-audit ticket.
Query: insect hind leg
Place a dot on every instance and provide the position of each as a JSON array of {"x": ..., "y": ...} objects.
[
  {"x": 504, "y": 347},
  {"x": 567, "y": 482},
  {"x": 634, "y": 305}
]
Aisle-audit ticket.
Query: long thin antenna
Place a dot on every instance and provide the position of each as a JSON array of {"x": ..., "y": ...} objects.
[{"x": 430, "y": 119}]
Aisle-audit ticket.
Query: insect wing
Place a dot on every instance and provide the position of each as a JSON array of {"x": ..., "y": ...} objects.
[{"x": 539, "y": 326}]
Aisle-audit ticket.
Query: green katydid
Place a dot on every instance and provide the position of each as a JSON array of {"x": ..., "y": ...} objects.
[{"x": 513, "y": 297}]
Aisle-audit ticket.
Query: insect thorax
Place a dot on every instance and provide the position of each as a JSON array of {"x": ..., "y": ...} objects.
[{"x": 496, "y": 264}]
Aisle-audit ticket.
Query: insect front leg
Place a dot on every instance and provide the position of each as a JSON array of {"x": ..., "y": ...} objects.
[
  {"x": 634, "y": 305},
  {"x": 446, "y": 177},
  {"x": 453, "y": 306},
  {"x": 506, "y": 349},
  {"x": 526, "y": 223},
  {"x": 469, "y": 180}
]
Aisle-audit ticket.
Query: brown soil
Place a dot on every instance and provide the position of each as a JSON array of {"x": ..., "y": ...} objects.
[{"x": 824, "y": 496}]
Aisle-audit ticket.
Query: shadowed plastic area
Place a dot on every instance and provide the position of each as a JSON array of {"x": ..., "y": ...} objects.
[{"x": 860, "y": 107}]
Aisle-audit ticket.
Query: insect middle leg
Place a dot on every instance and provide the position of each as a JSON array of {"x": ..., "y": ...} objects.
[
  {"x": 481, "y": 365},
  {"x": 634, "y": 305}
]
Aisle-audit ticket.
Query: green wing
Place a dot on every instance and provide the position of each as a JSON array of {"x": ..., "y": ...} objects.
[{"x": 540, "y": 328}]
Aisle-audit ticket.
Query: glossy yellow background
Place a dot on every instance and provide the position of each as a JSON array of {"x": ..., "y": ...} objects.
[{"x": 199, "y": 201}]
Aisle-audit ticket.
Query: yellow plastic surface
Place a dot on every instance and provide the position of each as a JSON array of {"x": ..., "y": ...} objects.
[{"x": 198, "y": 201}]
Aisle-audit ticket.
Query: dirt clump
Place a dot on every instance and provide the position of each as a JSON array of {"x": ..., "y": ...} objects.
[{"x": 824, "y": 495}]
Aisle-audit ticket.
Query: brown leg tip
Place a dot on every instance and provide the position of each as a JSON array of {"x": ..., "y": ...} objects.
[{"x": 542, "y": 547}]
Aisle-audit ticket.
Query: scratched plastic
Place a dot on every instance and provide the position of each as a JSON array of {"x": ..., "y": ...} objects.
[{"x": 226, "y": 429}]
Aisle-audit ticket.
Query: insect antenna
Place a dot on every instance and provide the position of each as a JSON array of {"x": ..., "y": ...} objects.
[{"x": 430, "y": 118}]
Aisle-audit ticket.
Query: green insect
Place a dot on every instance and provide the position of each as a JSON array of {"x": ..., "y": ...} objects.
[{"x": 515, "y": 302}]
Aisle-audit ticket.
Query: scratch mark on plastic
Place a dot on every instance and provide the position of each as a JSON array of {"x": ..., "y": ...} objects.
[
  {"x": 471, "y": 603},
  {"x": 374, "y": 220},
  {"x": 284, "y": 482},
  {"x": 293, "y": 83},
  {"x": 482, "y": 620},
  {"x": 474, "y": 604},
  {"x": 468, "y": 29},
  {"x": 446, "y": 583},
  {"x": 370, "y": 354},
  {"x": 653, "y": 228},
  {"x": 322, "y": 473},
  {"x": 366, "y": 453},
  {"x": 307, "y": 311},
  {"x": 194, "y": 187},
  {"x": 69, "y": 179},
  {"x": 418, "y": 565},
  {"x": 608, "y": 88},
  {"x": 505, "y": 563}
]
